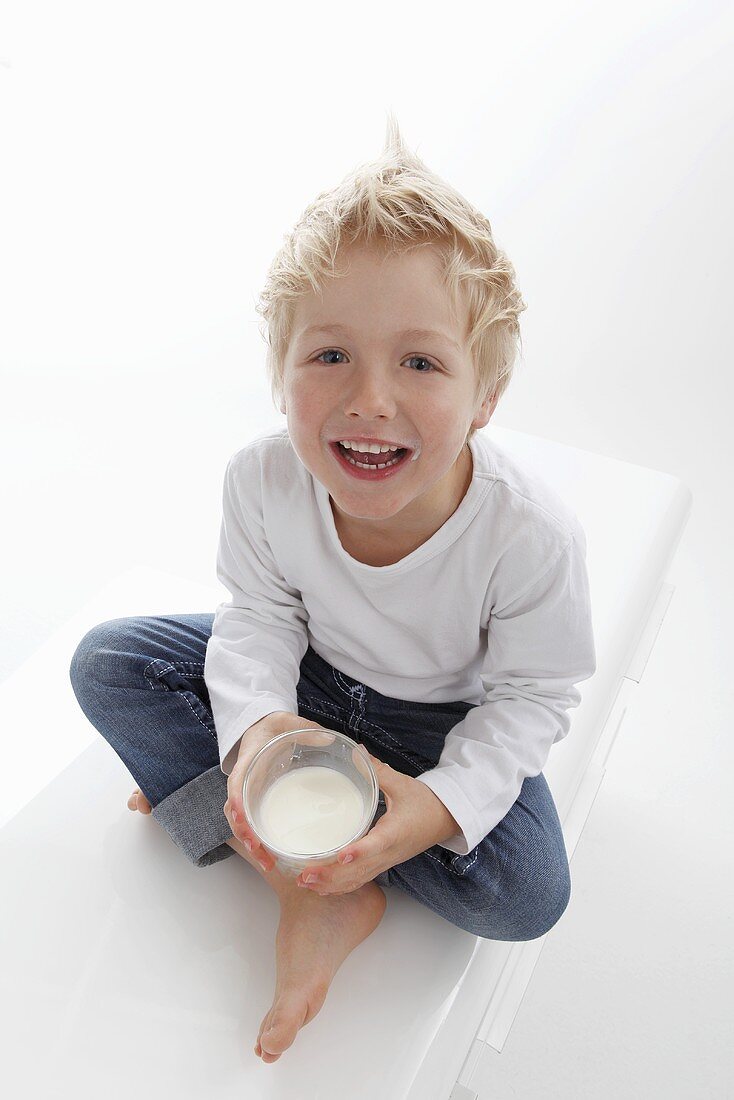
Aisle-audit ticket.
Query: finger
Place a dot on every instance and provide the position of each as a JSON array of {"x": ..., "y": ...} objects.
[
  {"x": 326, "y": 890},
  {"x": 318, "y": 887},
  {"x": 242, "y": 832},
  {"x": 322, "y": 880},
  {"x": 235, "y": 785},
  {"x": 241, "y": 829},
  {"x": 372, "y": 846},
  {"x": 234, "y": 789},
  {"x": 384, "y": 771},
  {"x": 313, "y": 877},
  {"x": 237, "y": 823},
  {"x": 257, "y": 850}
]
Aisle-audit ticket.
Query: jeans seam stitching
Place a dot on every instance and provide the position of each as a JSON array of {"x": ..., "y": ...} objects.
[
  {"x": 184, "y": 667},
  {"x": 357, "y": 692},
  {"x": 166, "y": 668},
  {"x": 170, "y": 668},
  {"x": 308, "y": 702},
  {"x": 476, "y": 857},
  {"x": 449, "y": 866},
  {"x": 374, "y": 726},
  {"x": 317, "y": 710}
]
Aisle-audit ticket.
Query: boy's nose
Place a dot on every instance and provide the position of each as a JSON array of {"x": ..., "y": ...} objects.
[{"x": 370, "y": 398}]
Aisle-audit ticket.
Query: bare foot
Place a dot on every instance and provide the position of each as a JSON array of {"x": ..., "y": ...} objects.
[
  {"x": 138, "y": 801},
  {"x": 314, "y": 937}
]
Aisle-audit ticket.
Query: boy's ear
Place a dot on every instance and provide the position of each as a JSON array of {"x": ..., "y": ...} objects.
[{"x": 485, "y": 410}]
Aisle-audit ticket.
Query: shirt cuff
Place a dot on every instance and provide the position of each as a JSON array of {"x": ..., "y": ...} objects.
[
  {"x": 253, "y": 712},
  {"x": 453, "y": 798}
]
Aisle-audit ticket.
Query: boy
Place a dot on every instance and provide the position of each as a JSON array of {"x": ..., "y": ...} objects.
[{"x": 393, "y": 575}]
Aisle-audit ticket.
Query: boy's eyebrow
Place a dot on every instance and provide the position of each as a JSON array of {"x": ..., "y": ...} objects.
[{"x": 415, "y": 333}]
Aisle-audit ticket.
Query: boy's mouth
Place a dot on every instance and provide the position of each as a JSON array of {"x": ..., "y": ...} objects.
[{"x": 370, "y": 467}]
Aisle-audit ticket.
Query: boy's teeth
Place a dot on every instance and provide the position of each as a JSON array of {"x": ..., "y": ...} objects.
[
  {"x": 372, "y": 448},
  {"x": 374, "y": 465}
]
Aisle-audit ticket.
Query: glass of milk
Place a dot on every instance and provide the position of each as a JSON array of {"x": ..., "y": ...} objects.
[{"x": 309, "y": 793}]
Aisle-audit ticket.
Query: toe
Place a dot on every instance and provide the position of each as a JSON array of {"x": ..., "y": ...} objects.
[
  {"x": 267, "y": 1037},
  {"x": 266, "y": 1055},
  {"x": 138, "y": 801},
  {"x": 274, "y": 1041},
  {"x": 264, "y": 1026},
  {"x": 281, "y": 1027}
]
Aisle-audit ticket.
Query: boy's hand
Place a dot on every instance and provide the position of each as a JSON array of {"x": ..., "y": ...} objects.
[
  {"x": 415, "y": 820},
  {"x": 251, "y": 742}
]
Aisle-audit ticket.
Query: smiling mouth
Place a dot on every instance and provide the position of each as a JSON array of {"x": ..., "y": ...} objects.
[
  {"x": 366, "y": 460},
  {"x": 371, "y": 466}
]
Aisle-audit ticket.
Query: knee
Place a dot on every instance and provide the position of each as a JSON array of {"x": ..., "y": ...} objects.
[
  {"x": 533, "y": 893},
  {"x": 95, "y": 653},
  {"x": 540, "y": 889}
]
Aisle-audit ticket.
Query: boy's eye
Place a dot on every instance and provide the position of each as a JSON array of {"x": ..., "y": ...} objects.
[
  {"x": 420, "y": 358},
  {"x": 330, "y": 351}
]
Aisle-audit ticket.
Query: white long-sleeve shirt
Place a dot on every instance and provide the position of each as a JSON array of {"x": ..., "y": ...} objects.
[{"x": 493, "y": 609}]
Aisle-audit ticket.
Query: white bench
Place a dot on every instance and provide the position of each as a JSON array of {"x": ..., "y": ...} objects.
[{"x": 126, "y": 968}]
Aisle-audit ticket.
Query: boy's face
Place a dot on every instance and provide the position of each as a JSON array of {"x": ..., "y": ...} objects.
[{"x": 368, "y": 380}]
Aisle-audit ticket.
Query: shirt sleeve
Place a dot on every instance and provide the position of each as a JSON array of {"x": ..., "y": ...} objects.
[
  {"x": 259, "y": 636},
  {"x": 539, "y": 645}
]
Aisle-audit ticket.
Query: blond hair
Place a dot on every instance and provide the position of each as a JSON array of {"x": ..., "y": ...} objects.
[{"x": 397, "y": 203}]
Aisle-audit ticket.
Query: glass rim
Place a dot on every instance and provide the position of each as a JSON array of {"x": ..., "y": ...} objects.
[{"x": 328, "y": 853}]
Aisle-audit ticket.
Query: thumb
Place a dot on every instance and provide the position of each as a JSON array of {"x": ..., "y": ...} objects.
[{"x": 383, "y": 770}]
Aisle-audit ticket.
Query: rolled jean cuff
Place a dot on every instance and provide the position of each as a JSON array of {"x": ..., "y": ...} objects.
[{"x": 193, "y": 816}]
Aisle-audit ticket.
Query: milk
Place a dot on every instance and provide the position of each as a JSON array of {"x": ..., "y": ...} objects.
[{"x": 311, "y": 809}]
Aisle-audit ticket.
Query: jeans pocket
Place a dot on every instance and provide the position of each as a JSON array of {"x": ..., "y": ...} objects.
[{"x": 180, "y": 678}]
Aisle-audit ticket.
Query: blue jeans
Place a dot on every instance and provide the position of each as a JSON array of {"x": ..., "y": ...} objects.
[{"x": 140, "y": 682}]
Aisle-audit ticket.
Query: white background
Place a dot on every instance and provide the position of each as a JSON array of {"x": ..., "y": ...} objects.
[{"x": 153, "y": 155}]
